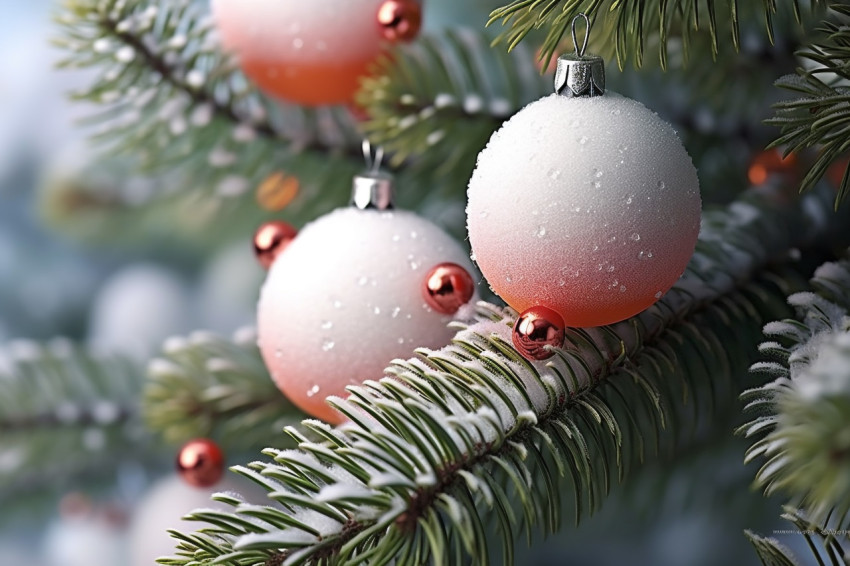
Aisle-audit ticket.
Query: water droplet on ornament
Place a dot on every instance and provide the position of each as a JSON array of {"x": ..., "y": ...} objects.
[
  {"x": 616, "y": 112},
  {"x": 327, "y": 325},
  {"x": 541, "y": 231},
  {"x": 484, "y": 214},
  {"x": 612, "y": 239},
  {"x": 597, "y": 185},
  {"x": 610, "y": 269},
  {"x": 649, "y": 254},
  {"x": 554, "y": 174},
  {"x": 562, "y": 282},
  {"x": 328, "y": 345},
  {"x": 377, "y": 310},
  {"x": 337, "y": 304},
  {"x": 414, "y": 235},
  {"x": 661, "y": 185},
  {"x": 622, "y": 288},
  {"x": 362, "y": 281},
  {"x": 396, "y": 237},
  {"x": 658, "y": 295},
  {"x": 278, "y": 353},
  {"x": 630, "y": 199},
  {"x": 577, "y": 209},
  {"x": 509, "y": 279},
  {"x": 297, "y": 43},
  {"x": 401, "y": 340},
  {"x": 408, "y": 316},
  {"x": 313, "y": 391},
  {"x": 598, "y": 174},
  {"x": 396, "y": 312},
  {"x": 582, "y": 140},
  {"x": 635, "y": 237}
]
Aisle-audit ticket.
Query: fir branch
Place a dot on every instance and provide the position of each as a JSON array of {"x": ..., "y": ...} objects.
[
  {"x": 165, "y": 86},
  {"x": 443, "y": 89},
  {"x": 631, "y": 26},
  {"x": 64, "y": 413},
  {"x": 205, "y": 386},
  {"x": 801, "y": 418},
  {"x": 828, "y": 545},
  {"x": 818, "y": 116},
  {"x": 473, "y": 438}
]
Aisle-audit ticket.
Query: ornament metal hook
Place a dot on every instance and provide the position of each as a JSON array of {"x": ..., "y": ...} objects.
[
  {"x": 373, "y": 162},
  {"x": 580, "y": 51}
]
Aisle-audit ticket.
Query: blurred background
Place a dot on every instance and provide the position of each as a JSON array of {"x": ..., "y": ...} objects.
[{"x": 72, "y": 265}]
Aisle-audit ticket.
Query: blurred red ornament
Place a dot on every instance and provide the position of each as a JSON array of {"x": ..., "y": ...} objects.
[
  {"x": 835, "y": 173},
  {"x": 771, "y": 162},
  {"x": 535, "y": 328},
  {"x": 200, "y": 463},
  {"x": 271, "y": 239},
  {"x": 74, "y": 505},
  {"x": 400, "y": 20},
  {"x": 448, "y": 287}
]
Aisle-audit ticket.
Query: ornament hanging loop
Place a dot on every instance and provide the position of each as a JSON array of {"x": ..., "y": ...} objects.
[
  {"x": 580, "y": 51},
  {"x": 580, "y": 74},
  {"x": 373, "y": 189}
]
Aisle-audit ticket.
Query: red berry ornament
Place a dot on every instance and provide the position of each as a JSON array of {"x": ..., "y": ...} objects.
[{"x": 200, "y": 463}]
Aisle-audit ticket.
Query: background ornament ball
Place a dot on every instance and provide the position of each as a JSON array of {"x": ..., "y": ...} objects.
[
  {"x": 307, "y": 52},
  {"x": 345, "y": 299},
  {"x": 272, "y": 238},
  {"x": 200, "y": 463},
  {"x": 447, "y": 287},
  {"x": 400, "y": 20},
  {"x": 538, "y": 327},
  {"x": 588, "y": 206},
  {"x": 163, "y": 508}
]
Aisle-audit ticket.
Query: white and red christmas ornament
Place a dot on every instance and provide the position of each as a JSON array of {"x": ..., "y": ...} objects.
[
  {"x": 312, "y": 52},
  {"x": 584, "y": 202},
  {"x": 356, "y": 289}
]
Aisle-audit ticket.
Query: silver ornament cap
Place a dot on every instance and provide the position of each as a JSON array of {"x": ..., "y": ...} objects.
[
  {"x": 580, "y": 74},
  {"x": 374, "y": 189}
]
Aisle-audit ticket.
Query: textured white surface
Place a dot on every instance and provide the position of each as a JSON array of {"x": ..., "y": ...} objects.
[
  {"x": 588, "y": 206},
  {"x": 300, "y": 30},
  {"x": 345, "y": 299}
]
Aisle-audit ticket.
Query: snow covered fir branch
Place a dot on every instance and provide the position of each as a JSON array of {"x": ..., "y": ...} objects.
[
  {"x": 205, "y": 386},
  {"x": 800, "y": 418},
  {"x": 64, "y": 412},
  {"x": 424, "y": 469}
]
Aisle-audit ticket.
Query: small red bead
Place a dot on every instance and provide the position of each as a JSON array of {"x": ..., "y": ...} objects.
[
  {"x": 200, "y": 463},
  {"x": 538, "y": 327},
  {"x": 271, "y": 239},
  {"x": 400, "y": 20},
  {"x": 448, "y": 287}
]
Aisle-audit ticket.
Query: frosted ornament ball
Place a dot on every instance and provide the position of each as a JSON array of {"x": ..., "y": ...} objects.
[
  {"x": 584, "y": 202},
  {"x": 310, "y": 52},
  {"x": 346, "y": 298}
]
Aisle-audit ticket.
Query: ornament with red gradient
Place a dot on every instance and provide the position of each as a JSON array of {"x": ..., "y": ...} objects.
[
  {"x": 355, "y": 290},
  {"x": 312, "y": 52},
  {"x": 200, "y": 463},
  {"x": 585, "y": 203}
]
